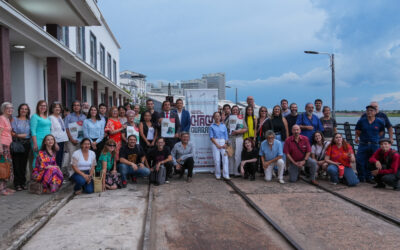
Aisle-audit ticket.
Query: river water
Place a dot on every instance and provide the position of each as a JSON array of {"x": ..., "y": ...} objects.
[{"x": 354, "y": 119}]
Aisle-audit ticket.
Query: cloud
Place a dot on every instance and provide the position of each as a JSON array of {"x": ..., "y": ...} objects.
[{"x": 388, "y": 101}]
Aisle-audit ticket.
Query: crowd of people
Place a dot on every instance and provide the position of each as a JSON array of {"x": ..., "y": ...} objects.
[{"x": 121, "y": 144}]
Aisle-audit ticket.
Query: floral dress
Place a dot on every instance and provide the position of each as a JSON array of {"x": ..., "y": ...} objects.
[
  {"x": 47, "y": 172},
  {"x": 111, "y": 126}
]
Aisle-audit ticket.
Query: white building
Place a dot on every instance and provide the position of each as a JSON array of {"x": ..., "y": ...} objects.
[
  {"x": 58, "y": 51},
  {"x": 216, "y": 81},
  {"x": 135, "y": 83},
  {"x": 194, "y": 84}
]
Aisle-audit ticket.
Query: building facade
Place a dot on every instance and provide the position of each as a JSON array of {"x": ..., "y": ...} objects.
[
  {"x": 65, "y": 57},
  {"x": 216, "y": 81},
  {"x": 135, "y": 83}
]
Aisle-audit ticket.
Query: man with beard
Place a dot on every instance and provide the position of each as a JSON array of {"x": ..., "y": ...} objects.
[{"x": 308, "y": 122}]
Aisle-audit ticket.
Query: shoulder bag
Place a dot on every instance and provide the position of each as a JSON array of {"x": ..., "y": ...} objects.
[{"x": 5, "y": 168}]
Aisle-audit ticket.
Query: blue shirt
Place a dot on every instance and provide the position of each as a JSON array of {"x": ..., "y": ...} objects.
[
  {"x": 383, "y": 116},
  {"x": 218, "y": 131},
  {"x": 314, "y": 121},
  {"x": 271, "y": 153},
  {"x": 93, "y": 130},
  {"x": 21, "y": 127},
  {"x": 72, "y": 117},
  {"x": 370, "y": 132}
]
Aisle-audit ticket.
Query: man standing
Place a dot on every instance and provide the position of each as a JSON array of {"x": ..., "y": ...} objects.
[
  {"x": 297, "y": 149},
  {"x": 292, "y": 117},
  {"x": 386, "y": 162},
  {"x": 182, "y": 156},
  {"x": 173, "y": 117},
  {"x": 368, "y": 132},
  {"x": 85, "y": 108},
  {"x": 271, "y": 155},
  {"x": 132, "y": 160},
  {"x": 184, "y": 116},
  {"x": 284, "y": 108},
  {"x": 308, "y": 122},
  {"x": 318, "y": 108},
  {"x": 383, "y": 116},
  {"x": 103, "y": 112}
]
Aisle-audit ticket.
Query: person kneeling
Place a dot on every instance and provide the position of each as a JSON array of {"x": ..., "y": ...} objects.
[
  {"x": 160, "y": 157},
  {"x": 271, "y": 155},
  {"x": 182, "y": 156},
  {"x": 83, "y": 163},
  {"x": 385, "y": 166},
  {"x": 132, "y": 161},
  {"x": 108, "y": 167}
]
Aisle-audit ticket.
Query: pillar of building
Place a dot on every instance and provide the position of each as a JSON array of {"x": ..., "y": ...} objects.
[
  {"x": 124, "y": 99},
  {"x": 95, "y": 93},
  {"x": 78, "y": 85},
  {"x": 5, "y": 69},
  {"x": 114, "y": 98},
  {"x": 53, "y": 79},
  {"x": 106, "y": 97},
  {"x": 120, "y": 99}
]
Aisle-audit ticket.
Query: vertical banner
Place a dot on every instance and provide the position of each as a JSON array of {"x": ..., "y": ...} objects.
[{"x": 201, "y": 103}]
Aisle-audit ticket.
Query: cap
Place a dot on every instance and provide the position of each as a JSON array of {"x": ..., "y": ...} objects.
[
  {"x": 385, "y": 140},
  {"x": 370, "y": 106}
]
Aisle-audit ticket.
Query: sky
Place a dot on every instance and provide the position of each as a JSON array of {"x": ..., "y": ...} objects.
[{"x": 260, "y": 45}]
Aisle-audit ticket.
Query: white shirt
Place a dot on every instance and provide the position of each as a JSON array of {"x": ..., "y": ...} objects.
[
  {"x": 318, "y": 114},
  {"x": 57, "y": 129},
  {"x": 79, "y": 161},
  {"x": 179, "y": 115},
  {"x": 316, "y": 150}
]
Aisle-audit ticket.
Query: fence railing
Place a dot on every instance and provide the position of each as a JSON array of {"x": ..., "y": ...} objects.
[{"x": 348, "y": 131}]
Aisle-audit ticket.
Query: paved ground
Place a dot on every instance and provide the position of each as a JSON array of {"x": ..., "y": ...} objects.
[
  {"x": 108, "y": 220},
  {"x": 19, "y": 207}
]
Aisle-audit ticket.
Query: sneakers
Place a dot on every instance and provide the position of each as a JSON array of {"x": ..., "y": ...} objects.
[
  {"x": 281, "y": 181},
  {"x": 166, "y": 182},
  {"x": 333, "y": 183},
  {"x": 227, "y": 178},
  {"x": 124, "y": 184},
  {"x": 380, "y": 185},
  {"x": 218, "y": 178}
]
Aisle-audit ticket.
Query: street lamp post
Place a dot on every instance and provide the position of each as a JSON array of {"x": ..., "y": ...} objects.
[{"x": 332, "y": 58}]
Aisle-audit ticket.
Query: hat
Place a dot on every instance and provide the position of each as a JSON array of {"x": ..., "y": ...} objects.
[
  {"x": 385, "y": 140},
  {"x": 370, "y": 106}
]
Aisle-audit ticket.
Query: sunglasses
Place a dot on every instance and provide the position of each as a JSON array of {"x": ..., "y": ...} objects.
[{"x": 111, "y": 145}]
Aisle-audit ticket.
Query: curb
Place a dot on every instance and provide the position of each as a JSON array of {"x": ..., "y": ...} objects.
[
  {"x": 147, "y": 227},
  {"x": 38, "y": 225}
]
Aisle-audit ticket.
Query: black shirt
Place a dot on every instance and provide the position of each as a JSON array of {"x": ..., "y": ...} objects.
[
  {"x": 291, "y": 120},
  {"x": 156, "y": 156},
  {"x": 131, "y": 154},
  {"x": 249, "y": 155},
  {"x": 328, "y": 125}
]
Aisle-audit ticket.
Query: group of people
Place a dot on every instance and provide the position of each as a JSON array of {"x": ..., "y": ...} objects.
[
  {"x": 123, "y": 143},
  {"x": 286, "y": 142},
  {"x": 116, "y": 144}
]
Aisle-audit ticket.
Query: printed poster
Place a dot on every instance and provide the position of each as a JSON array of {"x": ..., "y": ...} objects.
[
  {"x": 76, "y": 130},
  {"x": 168, "y": 127},
  {"x": 130, "y": 130},
  {"x": 235, "y": 123}
]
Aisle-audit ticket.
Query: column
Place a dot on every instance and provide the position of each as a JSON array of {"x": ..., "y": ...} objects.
[
  {"x": 106, "y": 97},
  {"x": 78, "y": 85},
  {"x": 124, "y": 100},
  {"x": 115, "y": 98},
  {"x": 53, "y": 79},
  {"x": 120, "y": 99},
  {"x": 5, "y": 69},
  {"x": 95, "y": 93}
]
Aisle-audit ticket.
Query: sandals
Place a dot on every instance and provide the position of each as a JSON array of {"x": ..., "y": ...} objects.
[
  {"x": 19, "y": 188},
  {"x": 5, "y": 192}
]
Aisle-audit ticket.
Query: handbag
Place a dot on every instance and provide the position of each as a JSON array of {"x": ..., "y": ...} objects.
[
  {"x": 229, "y": 150},
  {"x": 35, "y": 187},
  {"x": 98, "y": 183},
  {"x": 5, "y": 168},
  {"x": 17, "y": 147}
]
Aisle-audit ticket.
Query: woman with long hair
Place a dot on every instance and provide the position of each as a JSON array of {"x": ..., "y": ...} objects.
[
  {"x": 122, "y": 114},
  {"x": 249, "y": 159},
  {"x": 40, "y": 127},
  {"x": 318, "y": 148},
  {"x": 278, "y": 124},
  {"x": 21, "y": 132},
  {"x": 93, "y": 129},
  {"x": 148, "y": 132},
  {"x": 251, "y": 122},
  {"x": 5, "y": 142},
  {"x": 114, "y": 129},
  {"x": 83, "y": 164},
  {"x": 261, "y": 120},
  {"x": 107, "y": 166},
  {"x": 138, "y": 117},
  {"x": 46, "y": 170},
  {"x": 58, "y": 129}
]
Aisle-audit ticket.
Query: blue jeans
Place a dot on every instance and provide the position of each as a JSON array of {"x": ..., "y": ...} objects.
[
  {"x": 81, "y": 182},
  {"x": 364, "y": 152},
  {"x": 349, "y": 175},
  {"x": 124, "y": 170}
]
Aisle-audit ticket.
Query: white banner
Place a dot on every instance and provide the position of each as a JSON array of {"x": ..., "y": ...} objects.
[{"x": 201, "y": 103}]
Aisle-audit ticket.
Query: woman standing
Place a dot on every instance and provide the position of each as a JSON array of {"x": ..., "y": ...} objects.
[
  {"x": 219, "y": 138},
  {"x": 122, "y": 114},
  {"x": 148, "y": 132},
  {"x": 46, "y": 170},
  {"x": 83, "y": 163},
  {"x": 318, "y": 148},
  {"x": 130, "y": 114},
  {"x": 278, "y": 124},
  {"x": 339, "y": 155},
  {"x": 5, "y": 141},
  {"x": 58, "y": 130},
  {"x": 93, "y": 129},
  {"x": 40, "y": 127},
  {"x": 262, "y": 119},
  {"x": 136, "y": 108},
  {"x": 236, "y": 141},
  {"x": 22, "y": 134},
  {"x": 107, "y": 165},
  {"x": 329, "y": 124},
  {"x": 251, "y": 122},
  {"x": 114, "y": 129}
]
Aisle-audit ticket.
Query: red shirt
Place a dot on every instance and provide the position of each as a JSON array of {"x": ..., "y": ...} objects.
[
  {"x": 339, "y": 154},
  {"x": 380, "y": 156},
  {"x": 293, "y": 150}
]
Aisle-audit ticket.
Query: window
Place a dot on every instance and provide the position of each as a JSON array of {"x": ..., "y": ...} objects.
[
  {"x": 110, "y": 101},
  {"x": 109, "y": 66},
  {"x": 102, "y": 59},
  {"x": 114, "y": 71},
  {"x": 80, "y": 42},
  {"x": 84, "y": 94},
  {"x": 93, "y": 51},
  {"x": 64, "y": 37}
]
